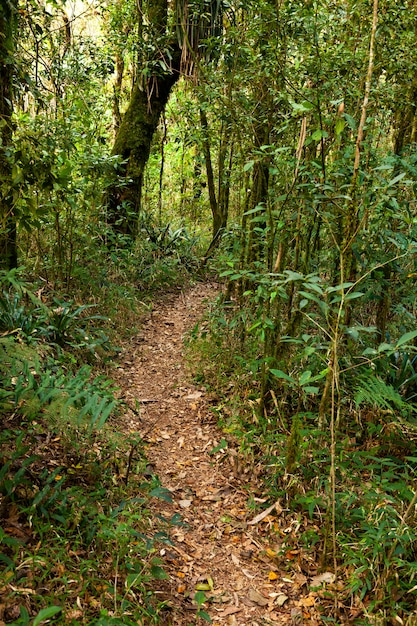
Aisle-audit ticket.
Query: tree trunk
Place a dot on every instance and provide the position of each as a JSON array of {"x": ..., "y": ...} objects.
[
  {"x": 133, "y": 143},
  {"x": 117, "y": 88},
  {"x": 136, "y": 130},
  {"x": 219, "y": 221},
  {"x": 8, "y": 242}
]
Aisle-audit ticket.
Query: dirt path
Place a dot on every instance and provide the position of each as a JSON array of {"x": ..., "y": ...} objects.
[{"x": 218, "y": 550}]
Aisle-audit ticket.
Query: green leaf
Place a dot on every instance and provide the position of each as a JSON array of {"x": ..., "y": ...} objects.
[
  {"x": 314, "y": 287},
  {"x": 384, "y": 347},
  {"x": 221, "y": 446},
  {"x": 162, "y": 493},
  {"x": 200, "y": 597},
  {"x": 396, "y": 179},
  {"x": 158, "y": 572},
  {"x": 406, "y": 338},
  {"x": 204, "y": 616},
  {"x": 24, "y": 615},
  {"x": 353, "y": 295},
  {"x": 293, "y": 275},
  {"x": 370, "y": 352},
  {"x": 281, "y": 374},
  {"x": 305, "y": 377},
  {"x": 45, "y": 614},
  {"x": 341, "y": 287},
  {"x": 350, "y": 120},
  {"x": 248, "y": 166},
  {"x": 319, "y": 134},
  {"x": 312, "y": 390},
  {"x": 302, "y": 107},
  {"x": 309, "y": 350},
  {"x": 254, "y": 210},
  {"x": 339, "y": 126},
  {"x": 133, "y": 580}
]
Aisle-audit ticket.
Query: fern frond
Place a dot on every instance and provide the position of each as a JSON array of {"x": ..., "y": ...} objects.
[{"x": 373, "y": 391}]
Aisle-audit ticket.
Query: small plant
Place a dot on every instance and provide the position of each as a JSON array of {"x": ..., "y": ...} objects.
[
  {"x": 67, "y": 326},
  {"x": 200, "y": 599}
]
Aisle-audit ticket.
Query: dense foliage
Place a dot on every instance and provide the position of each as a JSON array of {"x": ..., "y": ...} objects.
[{"x": 274, "y": 144}]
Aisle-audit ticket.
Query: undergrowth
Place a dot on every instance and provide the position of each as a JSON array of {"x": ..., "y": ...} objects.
[
  {"x": 77, "y": 542},
  {"x": 282, "y": 439}
]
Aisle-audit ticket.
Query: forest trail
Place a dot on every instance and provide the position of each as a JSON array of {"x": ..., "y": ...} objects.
[{"x": 217, "y": 549}]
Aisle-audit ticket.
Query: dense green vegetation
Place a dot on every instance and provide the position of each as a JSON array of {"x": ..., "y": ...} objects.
[{"x": 271, "y": 144}]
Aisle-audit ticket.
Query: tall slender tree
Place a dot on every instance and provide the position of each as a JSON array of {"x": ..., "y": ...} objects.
[{"x": 8, "y": 244}]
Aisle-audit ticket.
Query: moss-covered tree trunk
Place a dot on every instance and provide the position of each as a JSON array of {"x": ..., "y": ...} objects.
[
  {"x": 8, "y": 243},
  {"x": 135, "y": 133},
  {"x": 133, "y": 143}
]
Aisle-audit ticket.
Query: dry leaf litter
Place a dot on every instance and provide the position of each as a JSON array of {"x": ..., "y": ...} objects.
[{"x": 223, "y": 548}]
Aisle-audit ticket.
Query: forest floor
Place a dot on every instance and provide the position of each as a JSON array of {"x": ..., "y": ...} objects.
[{"x": 224, "y": 547}]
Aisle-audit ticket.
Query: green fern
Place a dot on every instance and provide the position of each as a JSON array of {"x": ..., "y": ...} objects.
[{"x": 373, "y": 391}]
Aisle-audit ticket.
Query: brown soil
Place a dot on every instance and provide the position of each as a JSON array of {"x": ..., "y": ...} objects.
[{"x": 246, "y": 574}]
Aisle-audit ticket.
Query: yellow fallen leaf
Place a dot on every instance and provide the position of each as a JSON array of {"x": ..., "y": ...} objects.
[
  {"x": 205, "y": 586},
  {"x": 308, "y": 601},
  {"x": 273, "y": 575},
  {"x": 181, "y": 588},
  {"x": 271, "y": 553},
  {"x": 180, "y": 574}
]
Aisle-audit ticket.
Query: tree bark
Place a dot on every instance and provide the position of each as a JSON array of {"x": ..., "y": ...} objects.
[
  {"x": 136, "y": 130},
  {"x": 133, "y": 143},
  {"x": 8, "y": 239}
]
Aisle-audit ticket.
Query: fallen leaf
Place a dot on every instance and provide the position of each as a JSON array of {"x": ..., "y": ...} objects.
[
  {"x": 181, "y": 588},
  {"x": 264, "y": 514},
  {"x": 206, "y": 584},
  {"x": 255, "y": 596},
  {"x": 307, "y": 601},
  {"x": 235, "y": 559},
  {"x": 73, "y": 614},
  {"x": 194, "y": 396},
  {"x": 300, "y": 579},
  {"x": 275, "y": 617},
  {"x": 231, "y": 610},
  {"x": 180, "y": 574},
  {"x": 291, "y": 554},
  {"x": 281, "y": 599},
  {"x": 179, "y": 537},
  {"x": 271, "y": 553},
  {"x": 320, "y": 579},
  {"x": 273, "y": 575},
  {"x": 185, "y": 504}
]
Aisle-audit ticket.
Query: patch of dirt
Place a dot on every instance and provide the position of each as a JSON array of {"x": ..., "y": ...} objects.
[{"x": 228, "y": 551}]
